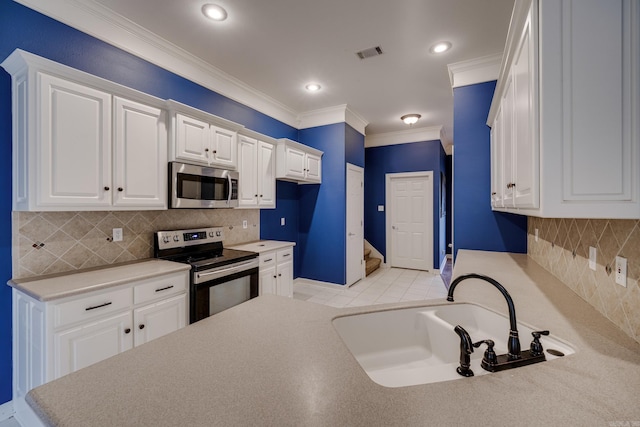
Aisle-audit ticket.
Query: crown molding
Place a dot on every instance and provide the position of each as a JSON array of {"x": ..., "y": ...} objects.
[
  {"x": 331, "y": 115},
  {"x": 98, "y": 21},
  {"x": 431, "y": 133},
  {"x": 474, "y": 71}
]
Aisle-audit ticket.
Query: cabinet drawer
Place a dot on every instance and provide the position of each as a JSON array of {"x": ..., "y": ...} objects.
[
  {"x": 159, "y": 287},
  {"x": 89, "y": 307},
  {"x": 285, "y": 255},
  {"x": 267, "y": 259}
]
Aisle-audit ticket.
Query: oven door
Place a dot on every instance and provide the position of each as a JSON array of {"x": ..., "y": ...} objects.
[
  {"x": 215, "y": 290},
  {"x": 192, "y": 186}
]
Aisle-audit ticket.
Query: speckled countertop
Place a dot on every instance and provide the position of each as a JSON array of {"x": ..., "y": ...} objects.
[
  {"x": 263, "y": 245},
  {"x": 55, "y": 286},
  {"x": 276, "y": 361}
]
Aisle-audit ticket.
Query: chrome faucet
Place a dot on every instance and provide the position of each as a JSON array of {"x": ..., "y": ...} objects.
[{"x": 513, "y": 343}]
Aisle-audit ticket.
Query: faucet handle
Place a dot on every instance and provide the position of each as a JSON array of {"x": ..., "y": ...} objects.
[
  {"x": 490, "y": 358},
  {"x": 536, "y": 345}
]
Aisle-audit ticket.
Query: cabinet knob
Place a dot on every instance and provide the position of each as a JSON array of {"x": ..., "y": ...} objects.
[
  {"x": 255, "y": 195},
  {"x": 120, "y": 189},
  {"x": 279, "y": 275},
  {"x": 215, "y": 151},
  {"x": 128, "y": 330},
  {"x": 206, "y": 149},
  {"x": 275, "y": 277},
  {"x": 141, "y": 326},
  {"x": 493, "y": 193},
  {"x": 261, "y": 195},
  {"x": 106, "y": 188}
]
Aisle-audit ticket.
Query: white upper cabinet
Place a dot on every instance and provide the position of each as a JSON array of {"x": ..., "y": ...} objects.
[
  {"x": 297, "y": 162},
  {"x": 201, "y": 138},
  {"x": 256, "y": 164},
  {"x": 565, "y": 115},
  {"x": 83, "y": 143}
]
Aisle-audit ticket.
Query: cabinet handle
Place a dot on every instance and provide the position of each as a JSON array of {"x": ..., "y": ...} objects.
[
  {"x": 164, "y": 289},
  {"x": 267, "y": 260},
  {"x": 141, "y": 326},
  {"x": 120, "y": 189},
  {"x": 98, "y": 306},
  {"x": 106, "y": 188},
  {"x": 128, "y": 330},
  {"x": 286, "y": 255}
]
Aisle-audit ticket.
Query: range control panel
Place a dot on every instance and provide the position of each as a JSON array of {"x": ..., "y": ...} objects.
[{"x": 182, "y": 238}]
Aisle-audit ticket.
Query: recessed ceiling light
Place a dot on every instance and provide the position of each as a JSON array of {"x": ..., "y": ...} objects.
[
  {"x": 410, "y": 118},
  {"x": 440, "y": 47},
  {"x": 313, "y": 87},
  {"x": 215, "y": 12}
]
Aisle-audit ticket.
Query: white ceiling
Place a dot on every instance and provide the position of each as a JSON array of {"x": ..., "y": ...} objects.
[{"x": 277, "y": 46}]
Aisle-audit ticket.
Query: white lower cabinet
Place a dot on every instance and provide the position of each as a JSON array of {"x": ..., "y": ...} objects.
[
  {"x": 57, "y": 337},
  {"x": 276, "y": 272}
]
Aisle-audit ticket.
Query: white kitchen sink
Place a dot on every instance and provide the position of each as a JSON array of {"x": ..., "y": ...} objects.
[{"x": 411, "y": 346}]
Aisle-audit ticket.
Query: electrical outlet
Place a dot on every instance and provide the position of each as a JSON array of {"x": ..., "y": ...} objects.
[
  {"x": 621, "y": 271},
  {"x": 281, "y": 221},
  {"x": 117, "y": 234},
  {"x": 536, "y": 234},
  {"x": 593, "y": 253},
  {"x": 244, "y": 224}
]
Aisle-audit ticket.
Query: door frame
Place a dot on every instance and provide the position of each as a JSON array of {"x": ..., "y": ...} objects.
[
  {"x": 347, "y": 205},
  {"x": 388, "y": 202}
]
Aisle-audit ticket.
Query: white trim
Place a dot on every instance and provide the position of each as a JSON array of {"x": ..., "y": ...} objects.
[
  {"x": 330, "y": 115},
  {"x": 6, "y": 410},
  {"x": 387, "y": 200},
  {"x": 363, "y": 267},
  {"x": 98, "y": 21},
  {"x": 474, "y": 71},
  {"x": 431, "y": 133}
]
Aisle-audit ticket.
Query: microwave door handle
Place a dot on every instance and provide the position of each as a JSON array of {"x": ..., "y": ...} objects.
[{"x": 230, "y": 190}]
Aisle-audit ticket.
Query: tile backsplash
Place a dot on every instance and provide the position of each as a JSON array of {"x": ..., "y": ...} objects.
[
  {"x": 563, "y": 249},
  {"x": 55, "y": 242}
]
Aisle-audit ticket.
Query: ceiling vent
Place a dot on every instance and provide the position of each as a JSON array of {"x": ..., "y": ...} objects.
[{"x": 371, "y": 52}]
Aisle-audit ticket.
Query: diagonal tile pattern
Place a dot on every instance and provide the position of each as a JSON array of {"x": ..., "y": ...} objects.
[
  {"x": 563, "y": 249},
  {"x": 382, "y": 286},
  {"x": 56, "y": 242}
]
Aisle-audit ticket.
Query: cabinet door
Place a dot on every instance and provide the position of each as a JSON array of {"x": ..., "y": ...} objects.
[
  {"x": 295, "y": 163},
  {"x": 268, "y": 281},
  {"x": 314, "y": 168},
  {"x": 266, "y": 178},
  {"x": 508, "y": 143},
  {"x": 140, "y": 155},
  {"x": 285, "y": 279},
  {"x": 248, "y": 168},
  {"x": 224, "y": 148},
  {"x": 192, "y": 139},
  {"x": 155, "y": 320},
  {"x": 74, "y": 149},
  {"x": 79, "y": 347},
  {"x": 525, "y": 147},
  {"x": 497, "y": 163}
]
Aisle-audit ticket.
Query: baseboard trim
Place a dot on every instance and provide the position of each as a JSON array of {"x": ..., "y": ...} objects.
[{"x": 6, "y": 410}]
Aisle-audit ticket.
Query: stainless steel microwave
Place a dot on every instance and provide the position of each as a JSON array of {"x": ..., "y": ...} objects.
[{"x": 202, "y": 187}]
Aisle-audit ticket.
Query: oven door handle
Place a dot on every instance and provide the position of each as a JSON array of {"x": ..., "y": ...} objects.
[{"x": 221, "y": 272}]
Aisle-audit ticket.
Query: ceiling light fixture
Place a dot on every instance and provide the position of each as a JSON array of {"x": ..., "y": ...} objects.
[
  {"x": 410, "y": 118},
  {"x": 215, "y": 12},
  {"x": 440, "y": 47},
  {"x": 313, "y": 87}
]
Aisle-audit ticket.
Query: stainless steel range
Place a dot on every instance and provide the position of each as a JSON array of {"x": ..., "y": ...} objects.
[{"x": 220, "y": 278}]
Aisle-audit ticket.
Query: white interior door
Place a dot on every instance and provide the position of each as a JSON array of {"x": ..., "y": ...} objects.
[
  {"x": 409, "y": 200},
  {"x": 355, "y": 221}
]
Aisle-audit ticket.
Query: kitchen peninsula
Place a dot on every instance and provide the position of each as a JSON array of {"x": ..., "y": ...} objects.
[{"x": 277, "y": 361}]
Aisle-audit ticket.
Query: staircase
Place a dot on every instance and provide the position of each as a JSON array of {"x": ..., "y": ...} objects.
[{"x": 372, "y": 264}]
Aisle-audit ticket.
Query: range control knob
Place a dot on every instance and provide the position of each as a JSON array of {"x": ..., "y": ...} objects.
[
  {"x": 211, "y": 234},
  {"x": 218, "y": 233},
  {"x": 176, "y": 238},
  {"x": 165, "y": 239}
]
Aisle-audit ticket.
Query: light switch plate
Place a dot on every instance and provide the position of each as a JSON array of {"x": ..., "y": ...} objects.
[
  {"x": 592, "y": 257},
  {"x": 621, "y": 271},
  {"x": 380, "y": 208},
  {"x": 117, "y": 234},
  {"x": 244, "y": 224},
  {"x": 281, "y": 221}
]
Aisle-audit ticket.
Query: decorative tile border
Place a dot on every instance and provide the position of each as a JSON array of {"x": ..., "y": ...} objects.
[
  {"x": 55, "y": 242},
  {"x": 563, "y": 249}
]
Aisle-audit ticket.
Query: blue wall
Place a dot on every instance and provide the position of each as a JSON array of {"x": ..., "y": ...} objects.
[
  {"x": 475, "y": 225},
  {"x": 413, "y": 157},
  {"x": 23, "y": 28}
]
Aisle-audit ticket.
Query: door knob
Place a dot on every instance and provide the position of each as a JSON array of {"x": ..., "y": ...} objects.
[
  {"x": 352, "y": 234},
  {"x": 393, "y": 227}
]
